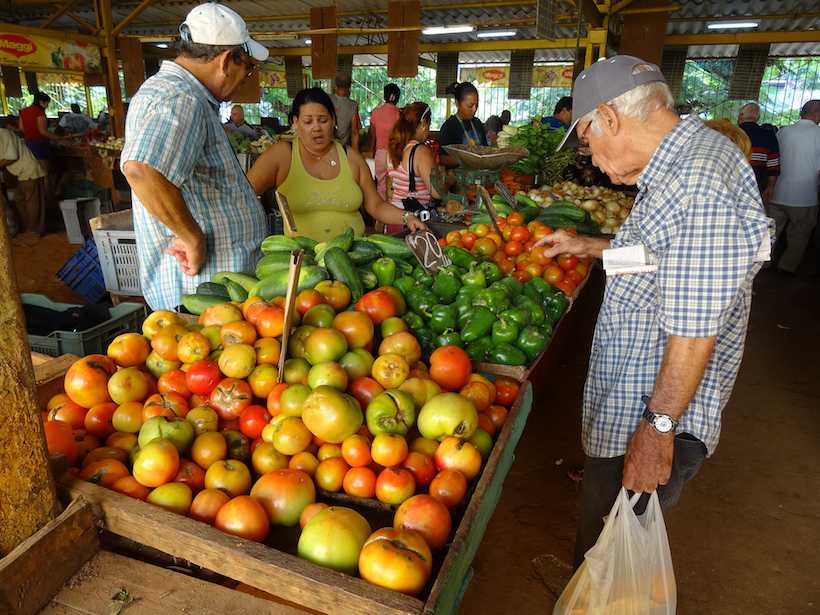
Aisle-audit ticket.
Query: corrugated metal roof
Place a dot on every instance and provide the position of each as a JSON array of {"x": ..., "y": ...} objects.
[{"x": 163, "y": 18}]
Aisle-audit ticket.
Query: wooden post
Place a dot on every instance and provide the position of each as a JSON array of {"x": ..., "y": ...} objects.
[
  {"x": 323, "y": 48},
  {"x": 28, "y": 498},
  {"x": 116, "y": 116},
  {"x": 403, "y": 47}
]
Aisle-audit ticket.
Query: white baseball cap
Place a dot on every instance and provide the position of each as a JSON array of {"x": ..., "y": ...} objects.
[{"x": 214, "y": 24}]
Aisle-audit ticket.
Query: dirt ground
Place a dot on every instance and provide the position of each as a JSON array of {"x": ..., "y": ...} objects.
[{"x": 745, "y": 537}]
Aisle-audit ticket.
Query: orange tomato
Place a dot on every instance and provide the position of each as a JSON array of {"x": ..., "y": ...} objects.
[
  {"x": 521, "y": 258},
  {"x": 442, "y": 241},
  {"x": 534, "y": 269},
  {"x": 537, "y": 256},
  {"x": 485, "y": 246},
  {"x": 497, "y": 239},
  {"x": 540, "y": 232},
  {"x": 505, "y": 265},
  {"x": 573, "y": 275},
  {"x": 520, "y": 233},
  {"x": 271, "y": 322},
  {"x": 512, "y": 248},
  {"x": 565, "y": 286},
  {"x": 567, "y": 262},
  {"x": 515, "y": 219},
  {"x": 506, "y": 232},
  {"x": 469, "y": 239},
  {"x": 452, "y": 236},
  {"x": 456, "y": 244},
  {"x": 553, "y": 274}
]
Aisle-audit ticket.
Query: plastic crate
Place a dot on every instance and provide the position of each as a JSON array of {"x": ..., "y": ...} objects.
[
  {"x": 125, "y": 318},
  {"x": 117, "y": 249},
  {"x": 83, "y": 274},
  {"x": 78, "y": 212},
  {"x": 86, "y": 189}
]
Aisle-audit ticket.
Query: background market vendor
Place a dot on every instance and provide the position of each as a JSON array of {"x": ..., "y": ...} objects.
[{"x": 325, "y": 183}]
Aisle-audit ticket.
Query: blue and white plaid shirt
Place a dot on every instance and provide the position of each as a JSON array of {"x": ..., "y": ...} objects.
[
  {"x": 173, "y": 126},
  {"x": 700, "y": 216}
]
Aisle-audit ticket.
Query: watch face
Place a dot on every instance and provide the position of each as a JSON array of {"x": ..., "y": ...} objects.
[{"x": 663, "y": 423}]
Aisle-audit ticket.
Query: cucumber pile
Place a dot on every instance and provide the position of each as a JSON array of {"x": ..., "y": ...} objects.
[{"x": 344, "y": 258}]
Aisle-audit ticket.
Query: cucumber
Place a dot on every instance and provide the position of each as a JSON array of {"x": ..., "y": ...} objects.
[
  {"x": 567, "y": 209},
  {"x": 360, "y": 259},
  {"x": 279, "y": 243},
  {"x": 245, "y": 281},
  {"x": 270, "y": 263},
  {"x": 403, "y": 267},
  {"x": 370, "y": 251},
  {"x": 559, "y": 221},
  {"x": 276, "y": 284},
  {"x": 307, "y": 243},
  {"x": 196, "y": 304},
  {"x": 343, "y": 241},
  {"x": 529, "y": 213},
  {"x": 503, "y": 209},
  {"x": 236, "y": 292},
  {"x": 213, "y": 289},
  {"x": 524, "y": 201},
  {"x": 481, "y": 219},
  {"x": 392, "y": 246},
  {"x": 341, "y": 268},
  {"x": 369, "y": 279}
]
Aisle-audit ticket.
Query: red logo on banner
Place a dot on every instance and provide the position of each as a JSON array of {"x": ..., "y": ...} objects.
[
  {"x": 16, "y": 45},
  {"x": 493, "y": 74}
]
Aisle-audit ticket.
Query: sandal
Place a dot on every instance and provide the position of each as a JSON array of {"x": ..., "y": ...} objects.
[{"x": 575, "y": 476}]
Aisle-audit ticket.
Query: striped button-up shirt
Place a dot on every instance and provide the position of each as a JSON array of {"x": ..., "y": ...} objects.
[
  {"x": 173, "y": 126},
  {"x": 699, "y": 215}
]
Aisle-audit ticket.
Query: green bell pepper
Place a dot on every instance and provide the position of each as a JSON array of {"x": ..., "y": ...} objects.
[
  {"x": 446, "y": 286},
  {"x": 403, "y": 285},
  {"x": 514, "y": 285},
  {"x": 556, "y": 300},
  {"x": 491, "y": 271},
  {"x": 479, "y": 349},
  {"x": 507, "y": 354},
  {"x": 490, "y": 298},
  {"x": 537, "y": 316},
  {"x": 443, "y": 318},
  {"x": 503, "y": 288},
  {"x": 421, "y": 299},
  {"x": 385, "y": 270},
  {"x": 448, "y": 339},
  {"x": 520, "y": 316},
  {"x": 468, "y": 293},
  {"x": 537, "y": 288},
  {"x": 474, "y": 278},
  {"x": 413, "y": 320},
  {"x": 531, "y": 341},
  {"x": 464, "y": 308},
  {"x": 460, "y": 257},
  {"x": 422, "y": 277},
  {"x": 426, "y": 339},
  {"x": 504, "y": 331},
  {"x": 478, "y": 325}
]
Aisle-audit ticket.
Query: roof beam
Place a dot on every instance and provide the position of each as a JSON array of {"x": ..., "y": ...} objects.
[
  {"x": 132, "y": 15},
  {"x": 61, "y": 10},
  {"x": 734, "y": 38},
  {"x": 66, "y": 36},
  {"x": 591, "y": 12},
  {"x": 82, "y": 22}
]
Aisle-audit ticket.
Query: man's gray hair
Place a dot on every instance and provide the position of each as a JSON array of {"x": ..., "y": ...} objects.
[
  {"x": 749, "y": 112},
  {"x": 207, "y": 53},
  {"x": 637, "y": 103}
]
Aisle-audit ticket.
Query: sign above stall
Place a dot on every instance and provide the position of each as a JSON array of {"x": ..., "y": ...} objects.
[{"x": 49, "y": 53}]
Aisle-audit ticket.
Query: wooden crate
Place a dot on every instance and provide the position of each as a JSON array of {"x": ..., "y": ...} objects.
[{"x": 80, "y": 571}]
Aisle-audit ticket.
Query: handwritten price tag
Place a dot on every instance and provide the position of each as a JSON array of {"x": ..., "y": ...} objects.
[
  {"x": 508, "y": 196},
  {"x": 425, "y": 246},
  {"x": 287, "y": 216},
  {"x": 488, "y": 202}
]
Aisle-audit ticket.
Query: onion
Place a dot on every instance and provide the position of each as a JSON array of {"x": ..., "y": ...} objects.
[
  {"x": 589, "y": 205},
  {"x": 598, "y": 216},
  {"x": 623, "y": 213},
  {"x": 606, "y": 230},
  {"x": 612, "y": 207}
]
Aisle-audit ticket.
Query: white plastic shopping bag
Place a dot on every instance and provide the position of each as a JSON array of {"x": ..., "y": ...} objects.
[{"x": 629, "y": 570}]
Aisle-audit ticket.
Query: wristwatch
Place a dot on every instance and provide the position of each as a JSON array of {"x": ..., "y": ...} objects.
[{"x": 663, "y": 423}]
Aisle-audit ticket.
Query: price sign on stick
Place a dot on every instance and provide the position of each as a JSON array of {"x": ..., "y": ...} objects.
[
  {"x": 508, "y": 196},
  {"x": 290, "y": 306},
  {"x": 287, "y": 216},
  {"x": 488, "y": 202},
  {"x": 425, "y": 246}
]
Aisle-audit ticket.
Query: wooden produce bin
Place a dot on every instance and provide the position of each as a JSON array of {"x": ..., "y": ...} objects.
[
  {"x": 92, "y": 163},
  {"x": 79, "y": 571}
]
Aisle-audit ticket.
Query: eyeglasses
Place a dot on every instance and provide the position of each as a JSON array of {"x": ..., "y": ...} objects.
[
  {"x": 250, "y": 66},
  {"x": 583, "y": 144}
]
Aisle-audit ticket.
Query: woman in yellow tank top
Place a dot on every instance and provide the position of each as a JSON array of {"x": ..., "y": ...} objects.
[{"x": 325, "y": 183}]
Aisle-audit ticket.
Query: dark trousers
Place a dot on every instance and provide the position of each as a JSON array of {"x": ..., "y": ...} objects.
[{"x": 602, "y": 483}]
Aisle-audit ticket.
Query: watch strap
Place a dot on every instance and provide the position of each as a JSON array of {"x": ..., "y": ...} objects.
[{"x": 651, "y": 417}]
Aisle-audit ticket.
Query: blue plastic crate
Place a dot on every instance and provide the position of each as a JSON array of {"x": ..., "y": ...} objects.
[{"x": 83, "y": 273}]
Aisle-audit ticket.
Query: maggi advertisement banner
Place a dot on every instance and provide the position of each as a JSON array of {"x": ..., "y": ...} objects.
[
  {"x": 498, "y": 76},
  {"x": 49, "y": 53},
  {"x": 272, "y": 78}
]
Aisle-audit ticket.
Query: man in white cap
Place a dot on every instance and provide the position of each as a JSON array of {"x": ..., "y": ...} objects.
[
  {"x": 668, "y": 343},
  {"x": 195, "y": 213}
]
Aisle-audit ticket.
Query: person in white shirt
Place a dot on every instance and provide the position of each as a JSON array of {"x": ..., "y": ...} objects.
[
  {"x": 237, "y": 123},
  {"x": 30, "y": 193},
  {"x": 77, "y": 120},
  {"x": 794, "y": 201}
]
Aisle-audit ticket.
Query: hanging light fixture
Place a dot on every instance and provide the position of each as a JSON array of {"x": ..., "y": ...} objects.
[
  {"x": 448, "y": 30},
  {"x": 732, "y": 25},
  {"x": 495, "y": 33}
]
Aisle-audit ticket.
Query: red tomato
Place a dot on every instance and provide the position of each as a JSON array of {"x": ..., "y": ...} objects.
[
  {"x": 60, "y": 439},
  {"x": 336, "y": 294},
  {"x": 252, "y": 420},
  {"x": 572, "y": 274},
  {"x": 98, "y": 420},
  {"x": 567, "y": 262},
  {"x": 243, "y": 516},
  {"x": 271, "y": 322},
  {"x": 86, "y": 381},
  {"x": 378, "y": 305},
  {"x": 356, "y": 327},
  {"x": 507, "y": 390},
  {"x": 513, "y": 248},
  {"x": 174, "y": 380},
  {"x": 429, "y": 517},
  {"x": 397, "y": 297},
  {"x": 202, "y": 377},
  {"x": 506, "y": 266},
  {"x": 457, "y": 454},
  {"x": 522, "y": 276},
  {"x": 515, "y": 219},
  {"x": 565, "y": 286},
  {"x": 360, "y": 482},
  {"x": 421, "y": 466},
  {"x": 449, "y": 487},
  {"x": 469, "y": 239},
  {"x": 190, "y": 474},
  {"x": 230, "y": 397},
  {"x": 450, "y": 367},
  {"x": 520, "y": 233},
  {"x": 396, "y": 559},
  {"x": 206, "y": 505},
  {"x": 128, "y": 485},
  {"x": 284, "y": 494},
  {"x": 70, "y": 412},
  {"x": 307, "y": 299},
  {"x": 395, "y": 485},
  {"x": 364, "y": 389},
  {"x": 497, "y": 415}
]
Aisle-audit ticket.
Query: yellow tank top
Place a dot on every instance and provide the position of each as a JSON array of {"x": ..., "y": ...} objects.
[{"x": 323, "y": 208}]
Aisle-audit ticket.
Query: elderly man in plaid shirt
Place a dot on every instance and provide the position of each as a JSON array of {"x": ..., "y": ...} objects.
[
  {"x": 195, "y": 212},
  {"x": 668, "y": 343}
]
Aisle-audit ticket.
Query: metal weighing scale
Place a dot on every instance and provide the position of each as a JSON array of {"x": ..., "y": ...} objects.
[{"x": 477, "y": 166}]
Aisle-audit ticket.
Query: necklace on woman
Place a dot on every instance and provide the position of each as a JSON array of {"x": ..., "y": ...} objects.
[{"x": 319, "y": 158}]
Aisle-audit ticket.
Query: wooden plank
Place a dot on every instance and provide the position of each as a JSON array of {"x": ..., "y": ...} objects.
[
  {"x": 154, "y": 591},
  {"x": 446, "y": 590},
  {"x": 403, "y": 47},
  {"x": 11, "y": 81},
  {"x": 323, "y": 49},
  {"x": 49, "y": 377},
  {"x": 286, "y": 576},
  {"x": 40, "y": 565}
]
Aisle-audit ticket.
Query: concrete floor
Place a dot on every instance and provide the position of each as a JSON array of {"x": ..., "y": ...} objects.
[{"x": 745, "y": 537}]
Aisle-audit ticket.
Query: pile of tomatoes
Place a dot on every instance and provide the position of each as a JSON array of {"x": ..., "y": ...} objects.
[
  {"x": 514, "y": 252},
  {"x": 192, "y": 417}
]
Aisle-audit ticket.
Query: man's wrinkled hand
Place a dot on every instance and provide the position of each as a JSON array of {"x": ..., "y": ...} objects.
[
  {"x": 190, "y": 258},
  {"x": 648, "y": 459}
]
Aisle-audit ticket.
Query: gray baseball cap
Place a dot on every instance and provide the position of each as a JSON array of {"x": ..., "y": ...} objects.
[{"x": 602, "y": 82}]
